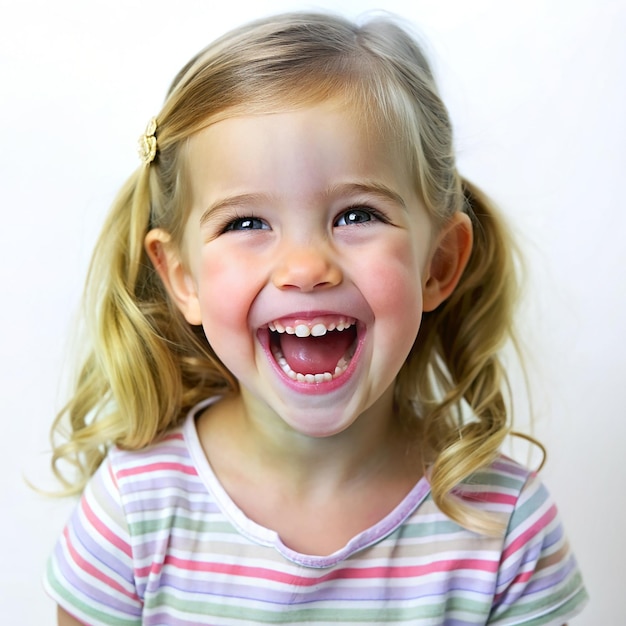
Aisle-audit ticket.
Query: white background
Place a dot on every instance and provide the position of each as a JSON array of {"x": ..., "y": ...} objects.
[{"x": 537, "y": 94}]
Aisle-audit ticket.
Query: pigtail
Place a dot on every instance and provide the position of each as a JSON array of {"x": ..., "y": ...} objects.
[
  {"x": 145, "y": 366},
  {"x": 462, "y": 388}
]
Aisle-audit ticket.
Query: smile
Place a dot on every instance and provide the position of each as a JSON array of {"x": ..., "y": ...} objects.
[{"x": 313, "y": 351}]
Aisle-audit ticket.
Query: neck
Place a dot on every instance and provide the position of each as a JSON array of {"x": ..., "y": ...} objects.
[
  {"x": 241, "y": 436},
  {"x": 316, "y": 493}
]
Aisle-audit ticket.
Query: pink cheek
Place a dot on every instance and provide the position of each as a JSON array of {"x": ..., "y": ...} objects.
[
  {"x": 221, "y": 310},
  {"x": 393, "y": 285},
  {"x": 224, "y": 298}
]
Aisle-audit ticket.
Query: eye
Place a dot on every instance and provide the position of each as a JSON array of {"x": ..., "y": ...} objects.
[
  {"x": 246, "y": 223},
  {"x": 359, "y": 215}
]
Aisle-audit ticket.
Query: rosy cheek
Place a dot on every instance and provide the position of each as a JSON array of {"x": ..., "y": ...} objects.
[
  {"x": 217, "y": 288},
  {"x": 395, "y": 279},
  {"x": 396, "y": 298}
]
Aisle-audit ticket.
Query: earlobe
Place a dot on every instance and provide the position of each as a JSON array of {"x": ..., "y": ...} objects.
[
  {"x": 448, "y": 260},
  {"x": 177, "y": 280}
]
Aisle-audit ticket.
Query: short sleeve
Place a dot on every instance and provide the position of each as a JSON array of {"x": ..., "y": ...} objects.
[
  {"x": 538, "y": 578},
  {"x": 90, "y": 573}
]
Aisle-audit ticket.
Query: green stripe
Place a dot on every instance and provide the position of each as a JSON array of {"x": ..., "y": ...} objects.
[
  {"x": 563, "y": 611},
  {"x": 494, "y": 479},
  {"x": 147, "y": 526},
  {"x": 431, "y": 531},
  {"x": 564, "y": 600},
  {"x": 528, "y": 509},
  {"x": 332, "y": 615}
]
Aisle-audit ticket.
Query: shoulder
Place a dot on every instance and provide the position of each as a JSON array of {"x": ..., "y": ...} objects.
[
  {"x": 169, "y": 454},
  {"x": 519, "y": 495},
  {"x": 175, "y": 453},
  {"x": 165, "y": 466},
  {"x": 172, "y": 457},
  {"x": 499, "y": 486},
  {"x": 538, "y": 576},
  {"x": 517, "y": 490}
]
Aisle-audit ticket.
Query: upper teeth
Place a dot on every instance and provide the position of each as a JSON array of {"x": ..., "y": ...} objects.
[{"x": 305, "y": 330}]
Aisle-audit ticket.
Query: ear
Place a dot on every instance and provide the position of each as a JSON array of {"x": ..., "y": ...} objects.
[
  {"x": 177, "y": 280},
  {"x": 450, "y": 255}
]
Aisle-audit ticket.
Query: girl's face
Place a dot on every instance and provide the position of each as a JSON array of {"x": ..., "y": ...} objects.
[{"x": 308, "y": 260}]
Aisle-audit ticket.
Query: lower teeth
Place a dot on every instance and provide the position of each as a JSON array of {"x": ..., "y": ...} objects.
[{"x": 340, "y": 368}]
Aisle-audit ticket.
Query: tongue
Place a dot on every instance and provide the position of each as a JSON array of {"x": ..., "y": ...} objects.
[{"x": 315, "y": 355}]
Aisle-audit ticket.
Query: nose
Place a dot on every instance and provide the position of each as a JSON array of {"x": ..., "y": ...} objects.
[{"x": 307, "y": 268}]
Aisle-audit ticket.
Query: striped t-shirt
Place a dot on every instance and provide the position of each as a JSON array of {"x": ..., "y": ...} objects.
[{"x": 155, "y": 539}]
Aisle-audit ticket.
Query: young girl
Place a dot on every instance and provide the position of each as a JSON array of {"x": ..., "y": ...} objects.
[{"x": 293, "y": 403}]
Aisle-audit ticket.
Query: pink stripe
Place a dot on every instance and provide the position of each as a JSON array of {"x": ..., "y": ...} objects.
[
  {"x": 343, "y": 574},
  {"x": 157, "y": 467},
  {"x": 89, "y": 569},
  {"x": 154, "y": 569},
  {"x": 176, "y": 435},
  {"x": 490, "y": 496},
  {"x": 522, "y": 577},
  {"x": 530, "y": 533},
  {"x": 104, "y": 530}
]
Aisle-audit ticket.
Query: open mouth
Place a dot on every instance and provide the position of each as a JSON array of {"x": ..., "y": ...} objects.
[{"x": 313, "y": 351}]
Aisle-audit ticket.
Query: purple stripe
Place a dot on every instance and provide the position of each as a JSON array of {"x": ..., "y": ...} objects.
[
  {"x": 168, "y": 503},
  {"x": 510, "y": 468},
  {"x": 153, "y": 482},
  {"x": 531, "y": 553},
  {"x": 102, "y": 558}
]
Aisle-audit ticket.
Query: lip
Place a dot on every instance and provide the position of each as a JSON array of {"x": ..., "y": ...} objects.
[{"x": 324, "y": 387}]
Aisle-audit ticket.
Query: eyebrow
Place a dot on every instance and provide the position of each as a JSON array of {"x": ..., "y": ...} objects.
[
  {"x": 370, "y": 188},
  {"x": 224, "y": 204},
  {"x": 245, "y": 199}
]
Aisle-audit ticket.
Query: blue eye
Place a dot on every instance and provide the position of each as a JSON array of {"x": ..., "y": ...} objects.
[
  {"x": 357, "y": 215},
  {"x": 246, "y": 223}
]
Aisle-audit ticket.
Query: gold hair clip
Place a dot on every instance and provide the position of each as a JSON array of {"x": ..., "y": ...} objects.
[{"x": 148, "y": 143}]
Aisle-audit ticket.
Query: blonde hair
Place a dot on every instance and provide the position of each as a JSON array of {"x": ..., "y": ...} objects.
[{"x": 146, "y": 366}]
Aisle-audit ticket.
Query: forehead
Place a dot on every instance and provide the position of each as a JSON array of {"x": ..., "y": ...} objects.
[{"x": 317, "y": 144}]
